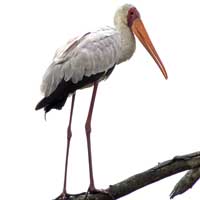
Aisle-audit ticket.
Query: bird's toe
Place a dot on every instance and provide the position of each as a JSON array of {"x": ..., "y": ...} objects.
[{"x": 63, "y": 196}]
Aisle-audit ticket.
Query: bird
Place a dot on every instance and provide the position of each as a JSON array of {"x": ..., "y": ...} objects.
[{"x": 84, "y": 62}]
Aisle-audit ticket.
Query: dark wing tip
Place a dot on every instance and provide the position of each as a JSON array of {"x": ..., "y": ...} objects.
[
  {"x": 37, "y": 107},
  {"x": 41, "y": 104}
]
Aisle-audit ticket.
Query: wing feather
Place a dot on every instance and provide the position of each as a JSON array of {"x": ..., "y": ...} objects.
[{"x": 87, "y": 55}]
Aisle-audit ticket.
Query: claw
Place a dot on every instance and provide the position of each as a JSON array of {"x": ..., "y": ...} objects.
[{"x": 63, "y": 196}]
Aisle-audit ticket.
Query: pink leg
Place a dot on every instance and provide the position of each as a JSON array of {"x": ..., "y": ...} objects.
[
  {"x": 88, "y": 132},
  {"x": 64, "y": 194},
  {"x": 69, "y": 135}
]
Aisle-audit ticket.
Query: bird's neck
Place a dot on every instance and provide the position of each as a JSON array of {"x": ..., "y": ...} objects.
[{"x": 128, "y": 43}]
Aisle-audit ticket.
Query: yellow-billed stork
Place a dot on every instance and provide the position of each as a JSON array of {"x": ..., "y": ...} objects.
[{"x": 88, "y": 59}]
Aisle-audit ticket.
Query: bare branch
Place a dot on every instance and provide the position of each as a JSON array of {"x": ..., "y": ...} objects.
[
  {"x": 162, "y": 170},
  {"x": 186, "y": 182}
]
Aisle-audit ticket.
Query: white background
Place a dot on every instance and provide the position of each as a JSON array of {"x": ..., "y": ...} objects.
[{"x": 139, "y": 119}]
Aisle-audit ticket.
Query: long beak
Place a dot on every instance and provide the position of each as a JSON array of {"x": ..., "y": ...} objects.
[{"x": 140, "y": 31}]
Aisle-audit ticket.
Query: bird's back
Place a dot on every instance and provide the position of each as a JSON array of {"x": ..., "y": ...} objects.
[{"x": 78, "y": 64}]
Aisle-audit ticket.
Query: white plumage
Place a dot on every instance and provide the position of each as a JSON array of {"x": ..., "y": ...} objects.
[
  {"x": 87, "y": 55},
  {"x": 90, "y": 54}
]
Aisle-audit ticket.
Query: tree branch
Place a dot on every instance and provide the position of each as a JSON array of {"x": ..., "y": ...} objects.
[
  {"x": 186, "y": 182},
  {"x": 162, "y": 170}
]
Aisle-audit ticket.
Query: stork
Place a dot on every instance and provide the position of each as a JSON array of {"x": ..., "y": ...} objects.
[{"x": 87, "y": 60}]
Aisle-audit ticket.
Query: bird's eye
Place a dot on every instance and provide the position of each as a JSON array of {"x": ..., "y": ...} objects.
[{"x": 132, "y": 13}]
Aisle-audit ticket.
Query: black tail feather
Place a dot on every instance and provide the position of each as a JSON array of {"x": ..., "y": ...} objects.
[
  {"x": 41, "y": 104},
  {"x": 56, "y": 100},
  {"x": 50, "y": 102}
]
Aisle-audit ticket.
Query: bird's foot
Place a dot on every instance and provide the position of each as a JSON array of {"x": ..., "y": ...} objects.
[
  {"x": 66, "y": 196},
  {"x": 99, "y": 191},
  {"x": 63, "y": 196}
]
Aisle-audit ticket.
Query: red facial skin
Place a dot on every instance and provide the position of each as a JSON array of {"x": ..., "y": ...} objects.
[
  {"x": 132, "y": 15},
  {"x": 137, "y": 28}
]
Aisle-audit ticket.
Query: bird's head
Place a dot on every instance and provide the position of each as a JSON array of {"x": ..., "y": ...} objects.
[{"x": 128, "y": 15}]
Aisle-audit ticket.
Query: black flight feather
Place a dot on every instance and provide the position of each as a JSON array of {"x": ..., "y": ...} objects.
[{"x": 57, "y": 99}]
